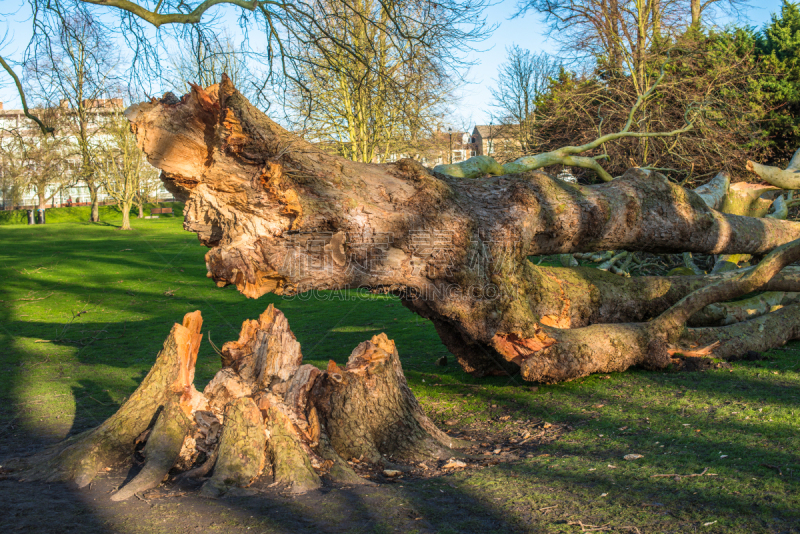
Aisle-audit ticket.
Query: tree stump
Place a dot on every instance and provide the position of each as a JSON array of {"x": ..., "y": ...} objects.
[{"x": 264, "y": 412}]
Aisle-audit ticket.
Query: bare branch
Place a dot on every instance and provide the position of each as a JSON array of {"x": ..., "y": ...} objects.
[{"x": 45, "y": 129}]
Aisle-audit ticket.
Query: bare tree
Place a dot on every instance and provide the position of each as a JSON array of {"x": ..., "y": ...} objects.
[
  {"x": 521, "y": 80},
  {"x": 702, "y": 11},
  {"x": 38, "y": 162},
  {"x": 206, "y": 57},
  {"x": 623, "y": 35},
  {"x": 149, "y": 184},
  {"x": 122, "y": 167},
  {"x": 448, "y": 27},
  {"x": 709, "y": 80},
  {"x": 385, "y": 99},
  {"x": 12, "y": 169},
  {"x": 73, "y": 68}
]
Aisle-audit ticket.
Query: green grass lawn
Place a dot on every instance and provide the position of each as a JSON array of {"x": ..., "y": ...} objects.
[
  {"x": 84, "y": 309},
  {"x": 79, "y": 214}
]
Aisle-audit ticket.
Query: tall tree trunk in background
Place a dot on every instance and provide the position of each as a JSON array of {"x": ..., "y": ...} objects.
[
  {"x": 615, "y": 50},
  {"x": 126, "y": 215},
  {"x": 95, "y": 200},
  {"x": 696, "y": 9},
  {"x": 657, "y": 19},
  {"x": 281, "y": 216}
]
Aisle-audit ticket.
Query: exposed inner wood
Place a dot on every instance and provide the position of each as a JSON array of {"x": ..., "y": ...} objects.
[{"x": 263, "y": 414}]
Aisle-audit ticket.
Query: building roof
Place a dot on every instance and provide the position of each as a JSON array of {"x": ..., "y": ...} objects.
[
  {"x": 98, "y": 105},
  {"x": 496, "y": 131},
  {"x": 456, "y": 136}
]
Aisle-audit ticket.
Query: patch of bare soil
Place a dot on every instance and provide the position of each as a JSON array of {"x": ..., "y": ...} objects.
[{"x": 416, "y": 498}]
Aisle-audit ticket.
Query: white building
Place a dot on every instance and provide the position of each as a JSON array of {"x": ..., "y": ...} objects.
[{"x": 14, "y": 121}]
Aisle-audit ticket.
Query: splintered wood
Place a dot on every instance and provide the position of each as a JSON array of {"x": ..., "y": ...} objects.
[{"x": 263, "y": 413}]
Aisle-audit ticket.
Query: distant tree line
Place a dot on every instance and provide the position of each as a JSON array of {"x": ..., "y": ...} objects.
[{"x": 738, "y": 84}]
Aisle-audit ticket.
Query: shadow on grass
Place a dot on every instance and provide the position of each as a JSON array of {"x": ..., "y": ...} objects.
[{"x": 75, "y": 381}]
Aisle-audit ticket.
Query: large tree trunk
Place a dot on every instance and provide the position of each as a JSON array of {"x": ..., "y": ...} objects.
[
  {"x": 263, "y": 413},
  {"x": 282, "y": 216}
]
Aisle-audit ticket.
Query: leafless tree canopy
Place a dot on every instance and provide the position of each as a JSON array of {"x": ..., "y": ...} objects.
[
  {"x": 387, "y": 100},
  {"x": 708, "y": 82},
  {"x": 272, "y": 34},
  {"x": 621, "y": 33},
  {"x": 36, "y": 161},
  {"x": 522, "y": 79},
  {"x": 72, "y": 66}
]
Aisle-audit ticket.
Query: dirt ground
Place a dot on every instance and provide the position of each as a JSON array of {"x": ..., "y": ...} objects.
[{"x": 425, "y": 498}]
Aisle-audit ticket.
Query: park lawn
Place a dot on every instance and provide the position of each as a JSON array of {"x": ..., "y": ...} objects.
[
  {"x": 77, "y": 214},
  {"x": 84, "y": 309}
]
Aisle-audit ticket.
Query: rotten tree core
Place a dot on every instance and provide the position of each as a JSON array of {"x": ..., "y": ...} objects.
[
  {"x": 282, "y": 216},
  {"x": 264, "y": 413}
]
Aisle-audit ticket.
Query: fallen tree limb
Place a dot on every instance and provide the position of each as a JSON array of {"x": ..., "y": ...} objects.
[
  {"x": 280, "y": 215},
  {"x": 674, "y": 475},
  {"x": 788, "y": 178}
]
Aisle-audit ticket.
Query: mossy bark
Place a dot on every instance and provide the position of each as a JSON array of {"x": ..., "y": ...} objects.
[
  {"x": 80, "y": 458},
  {"x": 241, "y": 450},
  {"x": 292, "y": 466},
  {"x": 161, "y": 451},
  {"x": 370, "y": 413}
]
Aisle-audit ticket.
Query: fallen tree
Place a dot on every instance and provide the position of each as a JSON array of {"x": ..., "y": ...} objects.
[
  {"x": 282, "y": 216},
  {"x": 263, "y": 413}
]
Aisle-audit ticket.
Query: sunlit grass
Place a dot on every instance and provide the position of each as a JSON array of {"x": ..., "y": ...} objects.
[{"x": 108, "y": 299}]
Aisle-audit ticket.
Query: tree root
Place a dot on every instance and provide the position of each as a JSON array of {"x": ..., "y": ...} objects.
[
  {"x": 263, "y": 412},
  {"x": 161, "y": 451}
]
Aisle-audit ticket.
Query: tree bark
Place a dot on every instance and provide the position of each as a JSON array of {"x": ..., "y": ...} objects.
[
  {"x": 42, "y": 199},
  {"x": 263, "y": 413},
  {"x": 80, "y": 458},
  {"x": 696, "y": 12},
  {"x": 94, "y": 198},
  {"x": 281, "y": 216},
  {"x": 126, "y": 216}
]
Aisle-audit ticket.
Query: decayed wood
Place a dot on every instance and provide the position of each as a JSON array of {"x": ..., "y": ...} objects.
[
  {"x": 282, "y": 216},
  {"x": 263, "y": 412}
]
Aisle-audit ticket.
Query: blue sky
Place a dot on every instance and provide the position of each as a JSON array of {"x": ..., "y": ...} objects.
[{"x": 475, "y": 105}]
